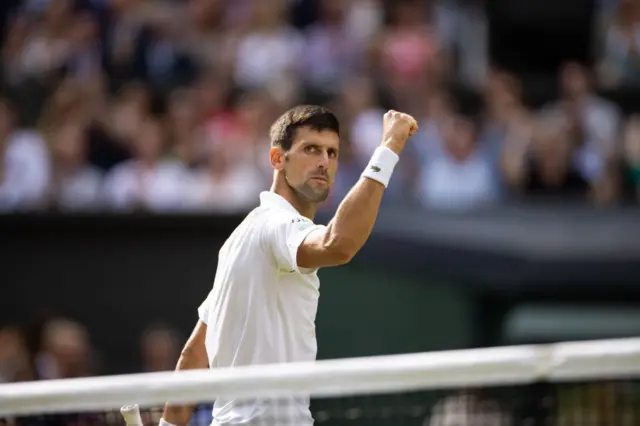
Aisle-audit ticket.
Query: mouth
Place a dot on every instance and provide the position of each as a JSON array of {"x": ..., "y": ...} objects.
[{"x": 320, "y": 179}]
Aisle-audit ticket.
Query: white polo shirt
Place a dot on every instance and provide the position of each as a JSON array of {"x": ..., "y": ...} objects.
[{"x": 262, "y": 308}]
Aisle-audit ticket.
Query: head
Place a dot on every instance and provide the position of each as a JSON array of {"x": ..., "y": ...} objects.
[
  {"x": 149, "y": 141},
  {"x": 632, "y": 140},
  {"x": 160, "y": 348},
  {"x": 68, "y": 145},
  {"x": 440, "y": 105},
  {"x": 182, "y": 110},
  {"x": 552, "y": 150},
  {"x": 7, "y": 119},
  {"x": 204, "y": 14},
  {"x": 575, "y": 80},
  {"x": 460, "y": 137},
  {"x": 266, "y": 14},
  {"x": 333, "y": 11},
  {"x": 305, "y": 143},
  {"x": 15, "y": 359},
  {"x": 68, "y": 344},
  {"x": 359, "y": 94},
  {"x": 503, "y": 88},
  {"x": 408, "y": 13}
]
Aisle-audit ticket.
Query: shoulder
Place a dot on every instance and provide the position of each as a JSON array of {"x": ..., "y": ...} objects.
[
  {"x": 26, "y": 143},
  {"x": 277, "y": 224},
  {"x": 121, "y": 169},
  {"x": 92, "y": 173}
]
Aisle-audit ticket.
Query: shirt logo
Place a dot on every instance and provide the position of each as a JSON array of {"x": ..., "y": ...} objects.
[
  {"x": 375, "y": 168},
  {"x": 303, "y": 223}
]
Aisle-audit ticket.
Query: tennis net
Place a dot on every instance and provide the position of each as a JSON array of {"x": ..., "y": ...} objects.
[{"x": 566, "y": 384}]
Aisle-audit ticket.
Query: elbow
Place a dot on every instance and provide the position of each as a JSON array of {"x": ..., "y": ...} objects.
[
  {"x": 342, "y": 257},
  {"x": 342, "y": 251}
]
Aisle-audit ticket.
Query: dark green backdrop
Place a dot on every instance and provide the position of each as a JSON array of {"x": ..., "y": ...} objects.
[{"x": 119, "y": 275}]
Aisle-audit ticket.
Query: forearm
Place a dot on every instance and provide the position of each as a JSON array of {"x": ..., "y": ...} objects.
[
  {"x": 353, "y": 222},
  {"x": 355, "y": 217},
  {"x": 193, "y": 357}
]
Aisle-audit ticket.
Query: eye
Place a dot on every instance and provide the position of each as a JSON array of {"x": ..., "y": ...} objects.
[
  {"x": 333, "y": 153},
  {"x": 311, "y": 149}
]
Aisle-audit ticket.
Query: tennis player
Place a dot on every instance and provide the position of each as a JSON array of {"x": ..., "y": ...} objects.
[{"x": 263, "y": 304}]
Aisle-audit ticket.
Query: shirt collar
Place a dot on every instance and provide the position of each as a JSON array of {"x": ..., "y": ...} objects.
[{"x": 271, "y": 199}]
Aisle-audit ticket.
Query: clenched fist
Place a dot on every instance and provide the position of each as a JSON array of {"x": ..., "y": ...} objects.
[{"x": 397, "y": 127}]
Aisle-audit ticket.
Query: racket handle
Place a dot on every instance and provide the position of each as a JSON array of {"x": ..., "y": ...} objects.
[{"x": 131, "y": 415}]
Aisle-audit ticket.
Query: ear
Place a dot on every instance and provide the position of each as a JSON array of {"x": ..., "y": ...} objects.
[{"x": 277, "y": 157}]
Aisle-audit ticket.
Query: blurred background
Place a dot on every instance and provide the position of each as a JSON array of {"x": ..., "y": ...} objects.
[{"x": 134, "y": 137}]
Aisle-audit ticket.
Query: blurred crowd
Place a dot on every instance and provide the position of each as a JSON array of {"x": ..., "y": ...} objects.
[
  {"x": 165, "y": 106},
  {"x": 61, "y": 348}
]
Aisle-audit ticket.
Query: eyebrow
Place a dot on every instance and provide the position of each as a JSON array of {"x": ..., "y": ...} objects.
[{"x": 318, "y": 144}]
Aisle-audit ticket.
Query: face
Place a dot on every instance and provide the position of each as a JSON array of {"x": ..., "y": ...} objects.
[
  {"x": 149, "y": 141},
  {"x": 68, "y": 143},
  {"x": 310, "y": 166},
  {"x": 460, "y": 140},
  {"x": 574, "y": 80}
]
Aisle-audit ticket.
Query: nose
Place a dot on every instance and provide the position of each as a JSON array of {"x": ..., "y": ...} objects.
[{"x": 323, "y": 162}]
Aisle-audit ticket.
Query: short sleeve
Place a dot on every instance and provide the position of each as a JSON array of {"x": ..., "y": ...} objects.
[
  {"x": 203, "y": 310},
  {"x": 283, "y": 237}
]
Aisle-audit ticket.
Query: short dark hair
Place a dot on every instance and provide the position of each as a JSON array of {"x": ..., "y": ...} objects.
[{"x": 315, "y": 117}]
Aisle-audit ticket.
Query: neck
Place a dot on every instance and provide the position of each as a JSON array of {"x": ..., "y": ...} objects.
[
  {"x": 304, "y": 207},
  {"x": 67, "y": 167}
]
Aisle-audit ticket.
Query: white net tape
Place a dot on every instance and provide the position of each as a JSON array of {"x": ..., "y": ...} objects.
[{"x": 605, "y": 359}]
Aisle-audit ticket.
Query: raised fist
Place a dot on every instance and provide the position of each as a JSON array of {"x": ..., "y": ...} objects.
[{"x": 397, "y": 127}]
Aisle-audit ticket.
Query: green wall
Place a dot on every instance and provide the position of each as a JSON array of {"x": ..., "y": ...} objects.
[{"x": 370, "y": 311}]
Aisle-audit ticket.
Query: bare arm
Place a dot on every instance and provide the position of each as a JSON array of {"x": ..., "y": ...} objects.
[
  {"x": 193, "y": 356},
  {"x": 348, "y": 230},
  {"x": 353, "y": 222}
]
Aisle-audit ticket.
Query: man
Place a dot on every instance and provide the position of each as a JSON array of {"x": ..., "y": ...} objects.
[{"x": 263, "y": 304}]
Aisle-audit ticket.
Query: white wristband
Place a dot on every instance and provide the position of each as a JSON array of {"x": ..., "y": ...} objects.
[
  {"x": 381, "y": 165},
  {"x": 163, "y": 422}
]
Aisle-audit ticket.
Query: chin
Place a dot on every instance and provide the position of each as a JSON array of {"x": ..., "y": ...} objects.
[{"x": 315, "y": 196}]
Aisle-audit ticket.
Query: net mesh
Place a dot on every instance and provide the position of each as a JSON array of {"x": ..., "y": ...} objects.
[
  {"x": 593, "y": 403},
  {"x": 596, "y": 385}
]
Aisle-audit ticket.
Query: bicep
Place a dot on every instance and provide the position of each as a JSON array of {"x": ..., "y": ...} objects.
[
  {"x": 195, "y": 349},
  {"x": 299, "y": 244},
  {"x": 316, "y": 251}
]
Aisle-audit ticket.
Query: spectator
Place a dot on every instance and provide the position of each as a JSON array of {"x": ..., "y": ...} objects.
[
  {"x": 24, "y": 164},
  {"x": 270, "y": 50},
  {"x": 160, "y": 349},
  {"x": 440, "y": 108},
  {"x": 147, "y": 181},
  {"x": 461, "y": 177},
  {"x": 160, "y": 59},
  {"x": 66, "y": 351},
  {"x": 207, "y": 38},
  {"x": 594, "y": 125},
  {"x": 504, "y": 111},
  {"x": 620, "y": 61},
  {"x": 330, "y": 52},
  {"x": 15, "y": 359},
  {"x": 186, "y": 134},
  {"x": 226, "y": 184},
  {"x": 128, "y": 112},
  {"x": 49, "y": 46},
  {"x": 365, "y": 116},
  {"x": 537, "y": 162},
  {"x": 84, "y": 58},
  {"x": 408, "y": 54},
  {"x": 631, "y": 163},
  {"x": 74, "y": 185},
  {"x": 12, "y": 50}
]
